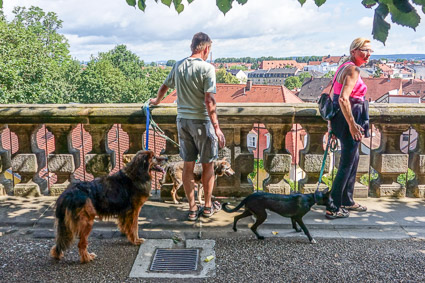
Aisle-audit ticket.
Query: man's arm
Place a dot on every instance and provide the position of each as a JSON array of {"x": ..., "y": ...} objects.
[
  {"x": 212, "y": 112},
  {"x": 160, "y": 95}
]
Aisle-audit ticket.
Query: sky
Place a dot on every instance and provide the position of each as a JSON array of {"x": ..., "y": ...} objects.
[{"x": 279, "y": 28}]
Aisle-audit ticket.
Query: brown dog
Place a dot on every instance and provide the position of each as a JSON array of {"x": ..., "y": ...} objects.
[
  {"x": 174, "y": 171},
  {"x": 122, "y": 195}
]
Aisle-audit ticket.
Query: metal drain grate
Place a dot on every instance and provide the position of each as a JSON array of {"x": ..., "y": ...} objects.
[{"x": 175, "y": 260}]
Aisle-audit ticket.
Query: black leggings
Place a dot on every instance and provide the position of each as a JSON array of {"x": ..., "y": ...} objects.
[{"x": 343, "y": 185}]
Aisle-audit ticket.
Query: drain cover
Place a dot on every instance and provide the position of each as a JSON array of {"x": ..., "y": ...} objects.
[{"x": 175, "y": 260}]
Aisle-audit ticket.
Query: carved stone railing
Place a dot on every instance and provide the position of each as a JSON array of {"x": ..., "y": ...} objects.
[{"x": 236, "y": 121}]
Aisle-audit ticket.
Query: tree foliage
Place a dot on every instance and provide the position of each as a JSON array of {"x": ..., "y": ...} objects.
[
  {"x": 402, "y": 12},
  {"x": 222, "y": 76},
  {"x": 34, "y": 59},
  {"x": 36, "y": 66},
  {"x": 293, "y": 83}
]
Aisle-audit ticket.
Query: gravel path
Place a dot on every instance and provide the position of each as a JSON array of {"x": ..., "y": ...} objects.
[{"x": 24, "y": 258}]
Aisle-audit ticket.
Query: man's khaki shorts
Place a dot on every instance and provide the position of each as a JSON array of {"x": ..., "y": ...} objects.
[{"x": 197, "y": 137}]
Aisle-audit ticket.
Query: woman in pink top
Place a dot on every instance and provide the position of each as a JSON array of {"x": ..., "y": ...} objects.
[{"x": 349, "y": 125}]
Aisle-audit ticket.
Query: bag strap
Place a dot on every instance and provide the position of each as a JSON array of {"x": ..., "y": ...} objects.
[{"x": 342, "y": 67}]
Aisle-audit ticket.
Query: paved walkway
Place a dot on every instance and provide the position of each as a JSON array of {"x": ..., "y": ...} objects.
[{"x": 386, "y": 219}]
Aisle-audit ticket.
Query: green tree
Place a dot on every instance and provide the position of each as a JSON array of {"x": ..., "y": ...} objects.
[
  {"x": 304, "y": 75},
  {"x": 34, "y": 59},
  {"x": 377, "y": 73},
  {"x": 125, "y": 60},
  {"x": 329, "y": 74},
  {"x": 222, "y": 76},
  {"x": 171, "y": 63},
  {"x": 293, "y": 83},
  {"x": 402, "y": 11}
]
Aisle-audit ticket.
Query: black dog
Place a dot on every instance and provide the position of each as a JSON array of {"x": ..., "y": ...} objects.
[{"x": 294, "y": 206}]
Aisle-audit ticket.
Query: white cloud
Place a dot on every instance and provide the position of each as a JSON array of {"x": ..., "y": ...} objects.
[{"x": 258, "y": 28}]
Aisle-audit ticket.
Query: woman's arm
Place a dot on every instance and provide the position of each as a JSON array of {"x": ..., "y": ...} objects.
[{"x": 350, "y": 77}]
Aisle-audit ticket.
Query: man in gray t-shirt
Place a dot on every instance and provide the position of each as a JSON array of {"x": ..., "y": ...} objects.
[{"x": 197, "y": 122}]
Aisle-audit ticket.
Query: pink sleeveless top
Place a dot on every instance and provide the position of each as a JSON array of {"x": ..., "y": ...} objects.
[{"x": 359, "y": 90}]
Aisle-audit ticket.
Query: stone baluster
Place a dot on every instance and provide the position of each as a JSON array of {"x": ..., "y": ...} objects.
[
  {"x": 389, "y": 161},
  {"x": 24, "y": 162},
  {"x": 135, "y": 136},
  {"x": 61, "y": 162},
  {"x": 243, "y": 160},
  {"x": 311, "y": 158},
  {"x": 98, "y": 161},
  {"x": 277, "y": 160},
  {"x": 417, "y": 164},
  {"x": 172, "y": 152},
  {"x": 6, "y": 186}
]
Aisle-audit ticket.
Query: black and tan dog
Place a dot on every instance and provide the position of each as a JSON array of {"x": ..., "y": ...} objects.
[
  {"x": 294, "y": 206},
  {"x": 174, "y": 171},
  {"x": 120, "y": 195}
]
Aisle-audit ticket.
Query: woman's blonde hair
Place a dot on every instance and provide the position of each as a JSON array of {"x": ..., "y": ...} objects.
[{"x": 356, "y": 44}]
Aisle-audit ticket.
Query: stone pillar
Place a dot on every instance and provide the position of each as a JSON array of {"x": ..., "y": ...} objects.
[
  {"x": 277, "y": 160},
  {"x": 24, "y": 162},
  {"x": 172, "y": 153},
  {"x": 417, "y": 164},
  {"x": 98, "y": 161},
  {"x": 243, "y": 160},
  {"x": 311, "y": 158},
  {"x": 61, "y": 162},
  {"x": 389, "y": 161},
  {"x": 6, "y": 186},
  {"x": 135, "y": 135}
]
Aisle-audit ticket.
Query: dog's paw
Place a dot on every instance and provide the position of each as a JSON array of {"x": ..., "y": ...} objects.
[
  {"x": 260, "y": 238},
  {"x": 235, "y": 229},
  {"x": 55, "y": 254},
  {"x": 313, "y": 241},
  {"x": 139, "y": 241},
  {"x": 87, "y": 257},
  {"x": 298, "y": 230}
]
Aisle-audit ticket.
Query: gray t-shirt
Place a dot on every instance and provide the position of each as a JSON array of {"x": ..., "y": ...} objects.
[{"x": 192, "y": 78}]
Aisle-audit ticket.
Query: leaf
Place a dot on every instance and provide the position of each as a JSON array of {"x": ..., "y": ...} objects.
[
  {"x": 190, "y": 1},
  {"x": 403, "y": 13},
  {"x": 420, "y": 2},
  {"x": 131, "y": 2},
  {"x": 302, "y": 2},
  {"x": 369, "y": 3},
  {"x": 242, "y": 2},
  {"x": 224, "y": 5},
  {"x": 166, "y": 2},
  {"x": 180, "y": 8},
  {"x": 319, "y": 2},
  {"x": 142, "y": 5},
  {"x": 380, "y": 26},
  {"x": 1, "y": 4}
]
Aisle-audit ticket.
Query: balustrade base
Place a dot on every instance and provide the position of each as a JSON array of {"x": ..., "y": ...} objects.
[
  {"x": 311, "y": 188},
  {"x": 29, "y": 189},
  {"x": 283, "y": 189},
  {"x": 58, "y": 189},
  {"x": 390, "y": 190},
  {"x": 419, "y": 191},
  {"x": 360, "y": 191},
  {"x": 2, "y": 190}
]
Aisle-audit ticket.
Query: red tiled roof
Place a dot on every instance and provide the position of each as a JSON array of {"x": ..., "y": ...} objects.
[
  {"x": 237, "y": 93},
  {"x": 272, "y": 64},
  {"x": 331, "y": 59},
  {"x": 313, "y": 63}
]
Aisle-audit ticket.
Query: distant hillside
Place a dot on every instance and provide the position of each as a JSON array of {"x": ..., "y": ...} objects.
[{"x": 400, "y": 56}]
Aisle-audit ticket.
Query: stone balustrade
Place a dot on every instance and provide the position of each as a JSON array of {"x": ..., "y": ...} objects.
[{"x": 21, "y": 153}]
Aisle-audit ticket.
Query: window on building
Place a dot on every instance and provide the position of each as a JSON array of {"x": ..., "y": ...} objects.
[{"x": 252, "y": 140}]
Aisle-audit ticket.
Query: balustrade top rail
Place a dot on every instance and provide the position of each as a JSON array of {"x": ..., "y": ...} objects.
[{"x": 165, "y": 113}]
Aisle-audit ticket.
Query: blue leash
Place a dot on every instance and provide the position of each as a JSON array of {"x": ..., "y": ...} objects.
[{"x": 146, "y": 107}]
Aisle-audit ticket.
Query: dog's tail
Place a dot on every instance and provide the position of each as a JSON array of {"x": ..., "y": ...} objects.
[
  {"x": 226, "y": 209},
  {"x": 66, "y": 222}
]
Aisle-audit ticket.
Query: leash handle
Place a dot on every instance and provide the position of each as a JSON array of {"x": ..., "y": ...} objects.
[{"x": 147, "y": 125}]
